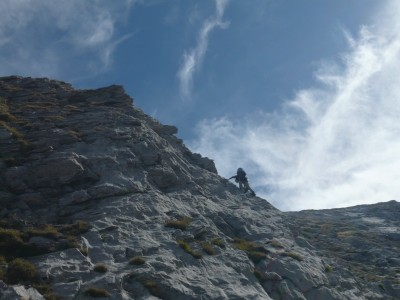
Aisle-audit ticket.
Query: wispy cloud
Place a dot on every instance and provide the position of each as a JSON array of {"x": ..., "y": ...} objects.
[
  {"x": 193, "y": 58},
  {"x": 59, "y": 38},
  {"x": 333, "y": 146}
]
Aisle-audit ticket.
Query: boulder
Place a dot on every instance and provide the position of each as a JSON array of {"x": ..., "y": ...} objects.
[
  {"x": 57, "y": 171},
  {"x": 18, "y": 292},
  {"x": 149, "y": 155},
  {"x": 163, "y": 177}
]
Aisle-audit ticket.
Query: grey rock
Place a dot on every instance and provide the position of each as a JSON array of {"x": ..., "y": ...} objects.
[
  {"x": 64, "y": 266},
  {"x": 56, "y": 171},
  {"x": 163, "y": 177},
  {"x": 6, "y": 198},
  {"x": 68, "y": 290},
  {"x": 165, "y": 129},
  {"x": 18, "y": 292},
  {"x": 323, "y": 293},
  {"x": 272, "y": 276},
  {"x": 15, "y": 178},
  {"x": 106, "y": 190},
  {"x": 303, "y": 275},
  {"x": 75, "y": 197},
  {"x": 302, "y": 242},
  {"x": 96, "y": 157},
  {"x": 288, "y": 291},
  {"x": 32, "y": 199}
]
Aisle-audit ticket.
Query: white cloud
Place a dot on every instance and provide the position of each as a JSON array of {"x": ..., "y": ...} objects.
[
  {"x": 193, "y": 58},
  {"x": 329, "y": 147},
  {"x": 57, "y": 38}
]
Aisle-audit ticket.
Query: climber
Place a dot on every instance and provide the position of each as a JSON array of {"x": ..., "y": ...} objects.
[{"x": 241, "y": 178}]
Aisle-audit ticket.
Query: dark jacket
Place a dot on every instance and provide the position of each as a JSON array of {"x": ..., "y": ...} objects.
[{"x": 240, "y": 176}]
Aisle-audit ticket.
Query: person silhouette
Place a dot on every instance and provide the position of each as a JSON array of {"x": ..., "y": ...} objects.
[{"x": 241, "y": 178}]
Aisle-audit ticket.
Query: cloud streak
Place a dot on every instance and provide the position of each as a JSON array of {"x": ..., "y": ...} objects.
[
  {"x": 332, "y": 146},
  {"x": 59, "y": 38},
  {"x": 193, "y": 58}
]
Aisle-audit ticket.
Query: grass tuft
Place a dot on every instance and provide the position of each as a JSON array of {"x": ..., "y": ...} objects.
[
  {"x": 21, "y": 271},
  {"x": 218, "y": 242},
  {"x": 48, "y": 231},
  {"x": 293, "y": 255},
  {"x": 100, "y": 268},
  {"x": 179, "y": 224},
  {"x": 11, "y": 242},
  {"x": 187, "y": 248},
  {"x": 328, "y": 268},
  {"x": 5, "y": 114},
  {"x": 152, "y": 286},
  {"x": 24, "y": 144},
  {"x": 137, "y": 260},
  {"x": 97, "y": 292},
  {"x": 254, "y": 251},
  {"x": 46, "y": 291},
  {"x": 208, "y": 248}
]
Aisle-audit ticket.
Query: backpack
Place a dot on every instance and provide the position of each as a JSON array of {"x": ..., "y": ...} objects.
[{"x": 241, "y": 174}]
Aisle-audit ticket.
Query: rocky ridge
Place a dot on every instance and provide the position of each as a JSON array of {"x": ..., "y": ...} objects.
[
  {"x": 163, "y": 224},
  {"x": 364, "y": 238}
]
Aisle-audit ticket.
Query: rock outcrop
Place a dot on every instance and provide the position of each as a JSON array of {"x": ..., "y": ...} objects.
[{"x": 163, "y": 224}]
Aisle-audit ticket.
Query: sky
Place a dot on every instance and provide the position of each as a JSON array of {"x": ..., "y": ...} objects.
[{"x": 304, "y": 95}]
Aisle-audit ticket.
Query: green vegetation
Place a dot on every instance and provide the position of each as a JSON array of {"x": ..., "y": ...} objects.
[
  {"x": 151, "y": 285},
  {"x": 24, "y": 144},
  {"x": 48, "y": 231},
  {"x": 15, "y": 242},
  {"x": 137, "y": 260},
  {"x": 254, "y": 251},
  {"x": 100, "y": 268},
  {"x": 84, "y": 251},
  {"x": 5, "y": 114},
  {"x": 328, "y": 268},
  {"x": 74, "y": 134},
  {"x": 20, "y": 270},
  {"x": 208, "y": 248},
  {"x": 275, "y": 244},
  {"x": 345, "y": 234},
  {"x": 179, "y": 224},
  {"x": 97, "y": 292},
  {"x": 5, "y": 117},
  {"x": 218, "y": 242},
  {"x": 15, "y": 133},
  {"x": 46, "y": 291},
  {"x": 38, "y": 106},
  {"x": 256, "y": 256},
  {"x": 325, "y": 228},
  {"x": 187, "y": 248},
  {"x": 11, "y": 242},
  {"x": 77, "y": 228},
  {"x": 293, "y": 255}
]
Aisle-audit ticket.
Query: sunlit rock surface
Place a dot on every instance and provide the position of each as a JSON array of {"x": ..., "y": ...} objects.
[{"x": 163, "y": 223}]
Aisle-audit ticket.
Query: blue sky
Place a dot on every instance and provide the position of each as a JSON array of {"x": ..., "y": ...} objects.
[{"x": 302, "y": 94}]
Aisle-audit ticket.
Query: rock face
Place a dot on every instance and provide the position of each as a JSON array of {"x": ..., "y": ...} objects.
[
  {"x": 163, "y": 223},
  {"x": 364, "y": 238}
]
